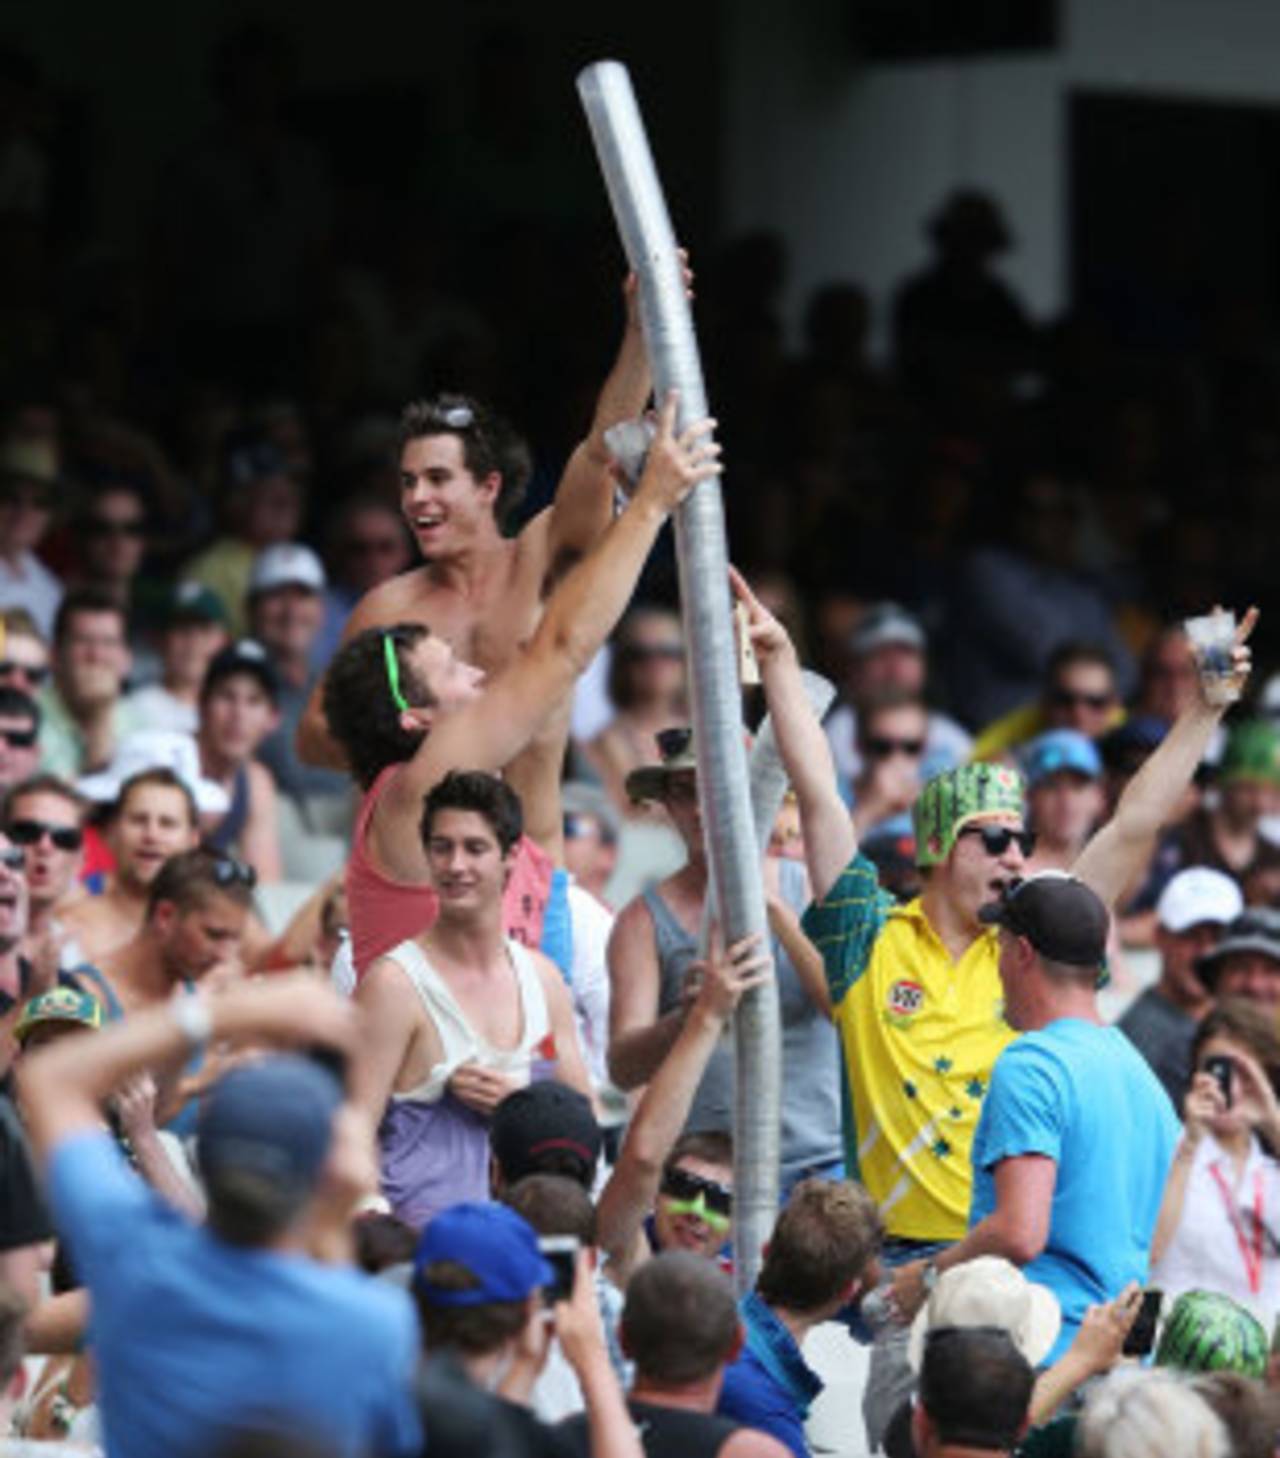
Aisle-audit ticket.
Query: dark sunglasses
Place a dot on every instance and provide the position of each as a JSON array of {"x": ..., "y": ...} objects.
[
  {"x": 12, "y": 858},
  {"x": 32, "y": 832},
  {"x": 681, "y": 1185},
  {"x": 1066, "y": 699},
  {"x": 673, "y": 742},
  {"x": 18, "y": 738},
  {"x": 882, "y": 748},
  {"x": 101, "y": 526},
  {"x": 227, "y": 871},
  {"x": 651, "y": 652},
  {"x": 996, "y": 839},
  {"x": 34, "y": 675}
]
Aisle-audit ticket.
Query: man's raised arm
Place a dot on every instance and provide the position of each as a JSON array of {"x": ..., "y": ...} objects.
[{"x": 1112, "y": 860}]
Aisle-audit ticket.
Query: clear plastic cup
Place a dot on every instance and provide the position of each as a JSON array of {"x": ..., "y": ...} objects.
[{"x": 1212, "y": 638}]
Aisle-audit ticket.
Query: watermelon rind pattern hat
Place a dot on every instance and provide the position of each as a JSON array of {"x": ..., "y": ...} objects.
[
  {"x": 1208, "y": 1332},
  {"x": 950, "y": 800}
]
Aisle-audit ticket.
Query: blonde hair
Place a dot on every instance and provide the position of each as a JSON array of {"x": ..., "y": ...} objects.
[{"x": 1133, "y": 1412}]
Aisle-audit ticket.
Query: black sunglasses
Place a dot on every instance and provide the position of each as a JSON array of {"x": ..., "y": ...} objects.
[
  {"x": 33, "y": 675},
  {"x": 681, "y": 1185},
  {"x": 648, "y": 652},
  {"x": 1066, "y": 699},
  {"x": 996, "y": 839},
  {"x": 31, "y": 832},
  {"x": 18, "y": 738},
  {"x": 12, "y": 858},
  {"x": 227, "y": 871},
  {"x": 673, "y": 742},
  {"x": 879, "y": 747},
  {"x": 101, "y": 526}
]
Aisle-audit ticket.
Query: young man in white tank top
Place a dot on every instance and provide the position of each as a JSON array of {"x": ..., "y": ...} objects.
[{"x": 459, "y": 1016}]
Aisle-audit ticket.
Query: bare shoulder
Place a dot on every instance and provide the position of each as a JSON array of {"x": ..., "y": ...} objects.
[
  {"x": 551, "y": 976},
  {"x": 750, "y": 1443},
  {"x": 400, "y": 599},
  {"x": 385, "y": 984},
  {"x": 261, "y": 780}
]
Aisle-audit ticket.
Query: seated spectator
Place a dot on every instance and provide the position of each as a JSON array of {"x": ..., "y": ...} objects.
[
  {"x": 891, "y": 747},
  {"x": 478, "y": 1283},
  {"x": 460, "y": 1016},
  {"x": 45, "y": 817},
  {"x": 1193, "y": 912},
  {"x": 647, "y": 690},
  {"x": 975, "y": 1393},
  {"x": 192, "y": 630},
  {"x": 1063, "y": 772},
  {"x": 886, "y": 652},
  {"x": 87, "y": 715},
  {"x": 286, "y": 611},
  {"x": 238, "y": 710},
  {"x": 1079, "y": 693},
  {"x": 1166, "y": 676},
  {"x": 19, "y": 736},
  {"x": 1135, "y": 1412},
  {"x": 680, "y": 1328},
  {"x": 111, "y": 539},
  {"x": 154, "y": 814},
  {"x": 1225, "y": 1177},
  {"x": 1246, "y": 961},
  {"x": 29, "y": 481},
  {"x": 1227, "y": 836},
  {"x": 307, "y": 1350},
  {"x": 368, "y": 545},
  {"x": 545, "y": 1128},
  {"x": 24, "y": 652},
  {"x": 590, "y": 837},
  {"x": 821, "y": 1257}
]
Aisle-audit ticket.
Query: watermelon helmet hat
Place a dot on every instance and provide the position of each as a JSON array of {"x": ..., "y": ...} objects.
[
  {"x": 949, "y": 801},
  {"x": 1208, "y": 1332}
]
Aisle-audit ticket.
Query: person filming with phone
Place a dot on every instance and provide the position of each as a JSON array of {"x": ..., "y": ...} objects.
[{"x": 1222, "y": 1202}]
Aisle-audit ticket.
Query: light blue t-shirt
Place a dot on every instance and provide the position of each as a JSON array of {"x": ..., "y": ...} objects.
[
  {"x": 195, "y": 1338},
  {"x": 1082, "y": 1096}
]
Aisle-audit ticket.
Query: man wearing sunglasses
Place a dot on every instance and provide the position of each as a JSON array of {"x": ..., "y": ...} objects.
[
  {"x": 45, "y": 817},
  {"x": 915, "y": 991},
  {"x": 19, "y": 736},
  {"x": 1079, "y": 693}
]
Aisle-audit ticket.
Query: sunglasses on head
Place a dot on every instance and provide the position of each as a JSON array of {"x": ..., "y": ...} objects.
[
  {"x": 882, "y": 747},
  {"x": 996, "y": 839},
  {"x": 11, "y": 858},
  {"x": 19, "y": 738},
  {"x": 32, "y": 832},
  {"x": 227, "y": 871},
  {"x": 35, "y": 675},
  {"x": 1068, "y": 699},
  {"x": 679, "y": 1184}
]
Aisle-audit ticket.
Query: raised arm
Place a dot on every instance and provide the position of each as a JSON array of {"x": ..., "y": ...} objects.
[
  {"x": 829, "y": 839},
  {"x": 1117, "y": 853},
  {"x": 661, "y": 1114}
]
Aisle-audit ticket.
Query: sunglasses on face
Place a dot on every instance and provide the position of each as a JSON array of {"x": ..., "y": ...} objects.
[
  {"x": 996, "y": 839},
  {"x": 11, "y": 858},
  {"x": 18, "y": 738},
  {"x": 680, "y": 1185},
  {"x": 35, "y": 675},
  {"x": 653, "y": 652},
  {"x": 32, "y": 832},
  {"x": 227, "y": 871},
  {"x": 101, "y": 526},
  {"x": 1068, "y": 699},
  {"x": 882, "y": 747}
]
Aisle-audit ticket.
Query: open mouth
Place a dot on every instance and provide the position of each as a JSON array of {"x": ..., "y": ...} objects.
[{"x": 427, "y": 521}]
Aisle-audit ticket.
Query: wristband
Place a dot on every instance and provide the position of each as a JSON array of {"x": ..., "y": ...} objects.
[
  {"x": 194, "y": 1020},
  {"x": 929, "y": 1277}
]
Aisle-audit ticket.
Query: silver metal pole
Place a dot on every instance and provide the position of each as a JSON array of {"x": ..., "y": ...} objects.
[{"x": 728, "y": 826}]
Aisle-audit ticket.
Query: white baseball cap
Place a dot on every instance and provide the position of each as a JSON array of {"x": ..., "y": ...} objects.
[
  {"x": 156, "y": 749},
  {"x": 287, "y": 564},
  {"x": 1198, "y": 894},
  {"x": 989, "y": 1291}
]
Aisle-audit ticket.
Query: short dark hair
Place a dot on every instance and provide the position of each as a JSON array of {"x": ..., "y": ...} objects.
[
  {"x": 14, "y": 704},
  {"x": 489, "y": 444},
  {"x": 680, "y": 1320},
  {"x": 44, "y": 784},
  {"x": 1242, "y": 1020},
  {"x": 554, "y": 1205},
  {"x": 473, "y": 1330},
  {"x": 246, "y": 1208},
  {"x": 84, "y": 600},
  {"x": 884, "y": 701},
  {"x": 358, "y": 704},
  {"x": 975, "y": 1385},
  {"x": 826, "y": 1236},
  {"x": 1065, "y": 655},
  {"x": 161, "y": 777},
  {"x": 189, "y": 879},
  {"x": 714, "y": 1146},
  {"x": 381, "y": 1241},
  {"x": 487, "y": 795}
]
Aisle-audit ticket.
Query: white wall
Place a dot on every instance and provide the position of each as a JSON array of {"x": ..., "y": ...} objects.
[{"x": 848, "y": 160}]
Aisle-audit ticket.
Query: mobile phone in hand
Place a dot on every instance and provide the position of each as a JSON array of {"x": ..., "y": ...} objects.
[
  {"x": 1221, "y": 1069},
  {"x": 1142, "y": 1334},
  {"x": 561, "y": 1254}
]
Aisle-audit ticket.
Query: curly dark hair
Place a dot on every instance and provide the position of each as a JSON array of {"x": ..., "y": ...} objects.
[
  {"x": 358, "y": 705},
  {"x": 486, "y": 794},
  {"x": 489, "y": 444}
]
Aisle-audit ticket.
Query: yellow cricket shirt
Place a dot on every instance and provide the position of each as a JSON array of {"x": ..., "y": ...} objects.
[{"x": 919, "y": 1035}]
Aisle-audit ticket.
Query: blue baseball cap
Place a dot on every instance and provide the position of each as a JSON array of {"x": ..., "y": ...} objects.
[
  {"x": 497, "y": 1246},
  {"x": 273, "y": 1119},
  {"x": 1060, "y": 749}
]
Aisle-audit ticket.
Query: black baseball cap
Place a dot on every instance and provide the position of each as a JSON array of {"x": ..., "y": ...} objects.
[
  {"x": 246, "y": 656},
  {"x": 535, "y": 1125},
  {"x": 1062, "y": 918}
]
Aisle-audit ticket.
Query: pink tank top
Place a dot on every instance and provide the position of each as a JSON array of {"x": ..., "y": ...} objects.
[{"x": 384, "y": 912}]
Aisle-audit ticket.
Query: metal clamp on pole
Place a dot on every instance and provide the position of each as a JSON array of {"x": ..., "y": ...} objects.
[{"x": 734, "y": 860}]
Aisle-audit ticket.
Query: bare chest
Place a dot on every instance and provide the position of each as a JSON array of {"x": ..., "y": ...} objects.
[{"x": 487, "y": 624}]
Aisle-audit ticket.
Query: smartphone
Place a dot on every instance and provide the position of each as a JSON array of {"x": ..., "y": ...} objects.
[
  {"x": 1142, "y": 1334},
  {"x": 561, "y": 1254},
  {"x": 1220, "y": 1068}
]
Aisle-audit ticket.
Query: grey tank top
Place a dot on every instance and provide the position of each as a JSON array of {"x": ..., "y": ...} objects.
[{"x": 810, "y": 1051}]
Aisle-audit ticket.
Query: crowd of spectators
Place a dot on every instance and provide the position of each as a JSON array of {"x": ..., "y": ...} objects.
[{"x": 366, "y": 1078}]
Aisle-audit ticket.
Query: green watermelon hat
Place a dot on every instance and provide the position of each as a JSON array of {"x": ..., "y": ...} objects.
[
  {"x": 1208, "y": 1332},
  {"x": 950, "y": 800}
]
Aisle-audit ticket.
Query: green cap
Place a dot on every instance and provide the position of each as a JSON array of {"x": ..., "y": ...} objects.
[
  {"x": 59, "y": 1005},
  {"x": 1252, "y": 753},
  {"x": 951, "y": 799},
  {"x": 1208, "y": 1332}
]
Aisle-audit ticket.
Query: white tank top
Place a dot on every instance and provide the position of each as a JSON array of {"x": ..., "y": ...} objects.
[{"x": 461, "y": 1043}]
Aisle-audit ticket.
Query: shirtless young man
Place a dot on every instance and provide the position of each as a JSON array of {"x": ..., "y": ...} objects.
[{"x": 481, "y": 592}]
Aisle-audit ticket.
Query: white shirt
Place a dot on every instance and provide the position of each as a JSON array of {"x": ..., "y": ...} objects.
[
  {"x": 590, "y": 925},
  {"x": 31, "y": 585},
  {"x": 158, "y": 709}
]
